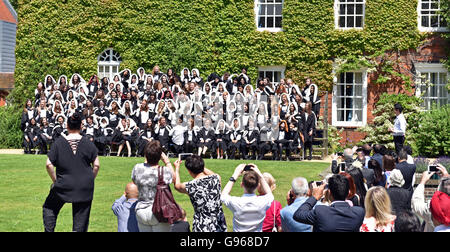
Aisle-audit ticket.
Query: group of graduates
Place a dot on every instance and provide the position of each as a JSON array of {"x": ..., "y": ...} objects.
[{"x": 220, "y": 116}]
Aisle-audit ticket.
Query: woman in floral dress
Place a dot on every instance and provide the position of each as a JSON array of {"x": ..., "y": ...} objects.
[{"x": 204, "y": 191}]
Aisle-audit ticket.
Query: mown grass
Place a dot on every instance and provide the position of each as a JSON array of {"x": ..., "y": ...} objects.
[{"x": 25, "y": 185}]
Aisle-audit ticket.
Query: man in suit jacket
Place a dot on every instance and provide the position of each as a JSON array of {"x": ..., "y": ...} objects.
[
  {"x": 339, "y": 216},
  {"x": 378, "y": 155},
  {"x": 408, "y": 170}
]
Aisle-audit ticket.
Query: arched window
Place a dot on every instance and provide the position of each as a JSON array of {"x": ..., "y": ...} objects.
[{"x": 108, "y": 63}]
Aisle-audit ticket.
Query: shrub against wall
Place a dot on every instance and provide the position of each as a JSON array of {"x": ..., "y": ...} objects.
[
  {"x": 378, "y": 131},
  {"x": 432, "y": 134}
]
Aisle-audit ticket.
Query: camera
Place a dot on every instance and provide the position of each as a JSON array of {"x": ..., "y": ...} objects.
[
  {"x": 432, "y": 168},
  {"x": 183, "y": 156},
  {"x": 340, "y": 154},
  {"x": 342, "y": 167},
  {"x": 248, "y": 167}
]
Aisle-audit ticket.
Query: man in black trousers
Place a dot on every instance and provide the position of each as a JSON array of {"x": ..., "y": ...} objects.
[
  {"x": 399, "y": 129},
  {"x": 76, "y": 161}
]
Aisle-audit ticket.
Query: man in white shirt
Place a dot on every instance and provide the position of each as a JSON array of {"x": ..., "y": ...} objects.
[
  {"x": 399, "y": 129},
  {"x": 177, "y": 134},
  {"x": 249, "y": 210}
]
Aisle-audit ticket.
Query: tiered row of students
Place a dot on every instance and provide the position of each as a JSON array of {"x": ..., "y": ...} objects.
[{"x": 219, "y": 116}]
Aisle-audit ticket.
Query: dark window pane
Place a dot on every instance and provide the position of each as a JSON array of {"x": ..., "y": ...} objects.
[
  {"x": 350, "y": 9},
  {"x": 269, "y": 22},
  {"x": 269, "y": 75},
  {"x": 349, "y": 90},
  {"x": 425, "y": 22},
  {"x": 342, "y": 9},
  {"x": 342, "y": 21},
  {"x": 277, "y": 76},
  {"x": 434, "y": 21},
  {"x": 278, "y": 9},
  {"x": 262, "y": 9},
  {"x": 270, "y": 9},
  {"x": 350, "y": 21},
  {"x": 359, "y": 21},
  {"x": 434, "y": 6},
  {"x": 442, "y": 22},
  {"x": 341, "y": 78},
  {"x": 359, "y": 9},
  {"x": 349, "y": 77},
  {"x": 425, "y": 6},
  {"x": 261, "y": 75},
  {"x": 278, "y": 22},
  {"x": 262, "y": 22}
]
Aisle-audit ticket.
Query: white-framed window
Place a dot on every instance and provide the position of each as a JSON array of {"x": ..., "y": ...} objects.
[
  {"x": 349, "y": 14},
  {"x": 274, "y": 73},
  {"x": 429, "y": 18},
  {"x": 432, "y": 84},
  {"x": 268, "y": 15},
  {"x": 108, "y": 63},
  {"x": 350, "y": 99}
]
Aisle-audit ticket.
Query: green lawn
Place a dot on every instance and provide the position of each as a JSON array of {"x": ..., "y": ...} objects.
[{"x": 25, "y": 185}]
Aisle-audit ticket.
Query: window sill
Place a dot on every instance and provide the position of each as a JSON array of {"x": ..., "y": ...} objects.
[
  {"x": 269, "y": 29},
  {"x": 434, "y": 29},
  {"x": 349, "y": 28}
]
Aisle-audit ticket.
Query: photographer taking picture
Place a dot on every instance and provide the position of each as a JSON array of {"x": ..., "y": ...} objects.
[
  {"x": 339, "y": 216},
  {"x": 249, "y": 210}
]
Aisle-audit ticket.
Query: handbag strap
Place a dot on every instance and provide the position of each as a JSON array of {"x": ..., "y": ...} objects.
[{"x": 160, "y": 176}]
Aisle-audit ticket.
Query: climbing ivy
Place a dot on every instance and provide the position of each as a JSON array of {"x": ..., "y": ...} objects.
[{"x": 63, "y": 37}]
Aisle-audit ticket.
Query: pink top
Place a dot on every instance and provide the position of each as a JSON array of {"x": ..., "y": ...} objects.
[{"x": 274, "y": 210}]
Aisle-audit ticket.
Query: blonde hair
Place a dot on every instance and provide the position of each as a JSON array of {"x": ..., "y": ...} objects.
[
  {"x": 378, "y": 205},
  {"x": 270, "y": 180}
]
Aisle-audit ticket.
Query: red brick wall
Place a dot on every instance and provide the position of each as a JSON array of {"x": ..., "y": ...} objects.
[
  {"x": 6, "y": 84},
  {"x": 432, "y": 50}
]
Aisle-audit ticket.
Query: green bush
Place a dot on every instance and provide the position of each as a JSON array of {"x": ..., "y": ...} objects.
[
  {"x": 378, "y": 131},
  {"x": 432, "y": 135},
  {"x": 10, "y": 133}
]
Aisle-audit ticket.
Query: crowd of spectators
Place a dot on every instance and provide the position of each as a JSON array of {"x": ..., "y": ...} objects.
[{"x": 369, "y": 190}]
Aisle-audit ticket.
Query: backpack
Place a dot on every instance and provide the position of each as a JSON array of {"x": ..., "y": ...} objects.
[{"x": 165, "y": 209}]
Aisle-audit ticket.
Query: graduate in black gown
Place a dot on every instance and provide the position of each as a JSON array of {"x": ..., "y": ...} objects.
[
  {"x": 45, "y": 135},
  {"x": 206, "y": 138},
  {"x": 146, "y": 135},
  {"x": 235, "y": 144},
  {"x": 251, "y": 136},
  {"x": 31, "y": 136},
  {"x": 309, "y": 129},
  {"x": 221, "y": 138}
]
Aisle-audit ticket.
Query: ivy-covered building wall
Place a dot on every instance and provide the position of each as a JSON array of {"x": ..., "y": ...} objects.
[{"x": 65, "y": 37}]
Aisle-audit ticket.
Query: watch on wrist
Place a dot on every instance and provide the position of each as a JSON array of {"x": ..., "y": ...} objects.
[{"x": 232, "y": 179}]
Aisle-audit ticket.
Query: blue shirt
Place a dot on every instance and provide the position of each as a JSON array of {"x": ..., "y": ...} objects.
[
  {"x": 287, "y": 217},
  {"x": 126, "y": 215}
]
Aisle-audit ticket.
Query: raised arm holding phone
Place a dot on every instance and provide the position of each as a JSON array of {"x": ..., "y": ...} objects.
[
  {"x": 204, "y": 193},
  {"x": 249, "y": 210}
]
